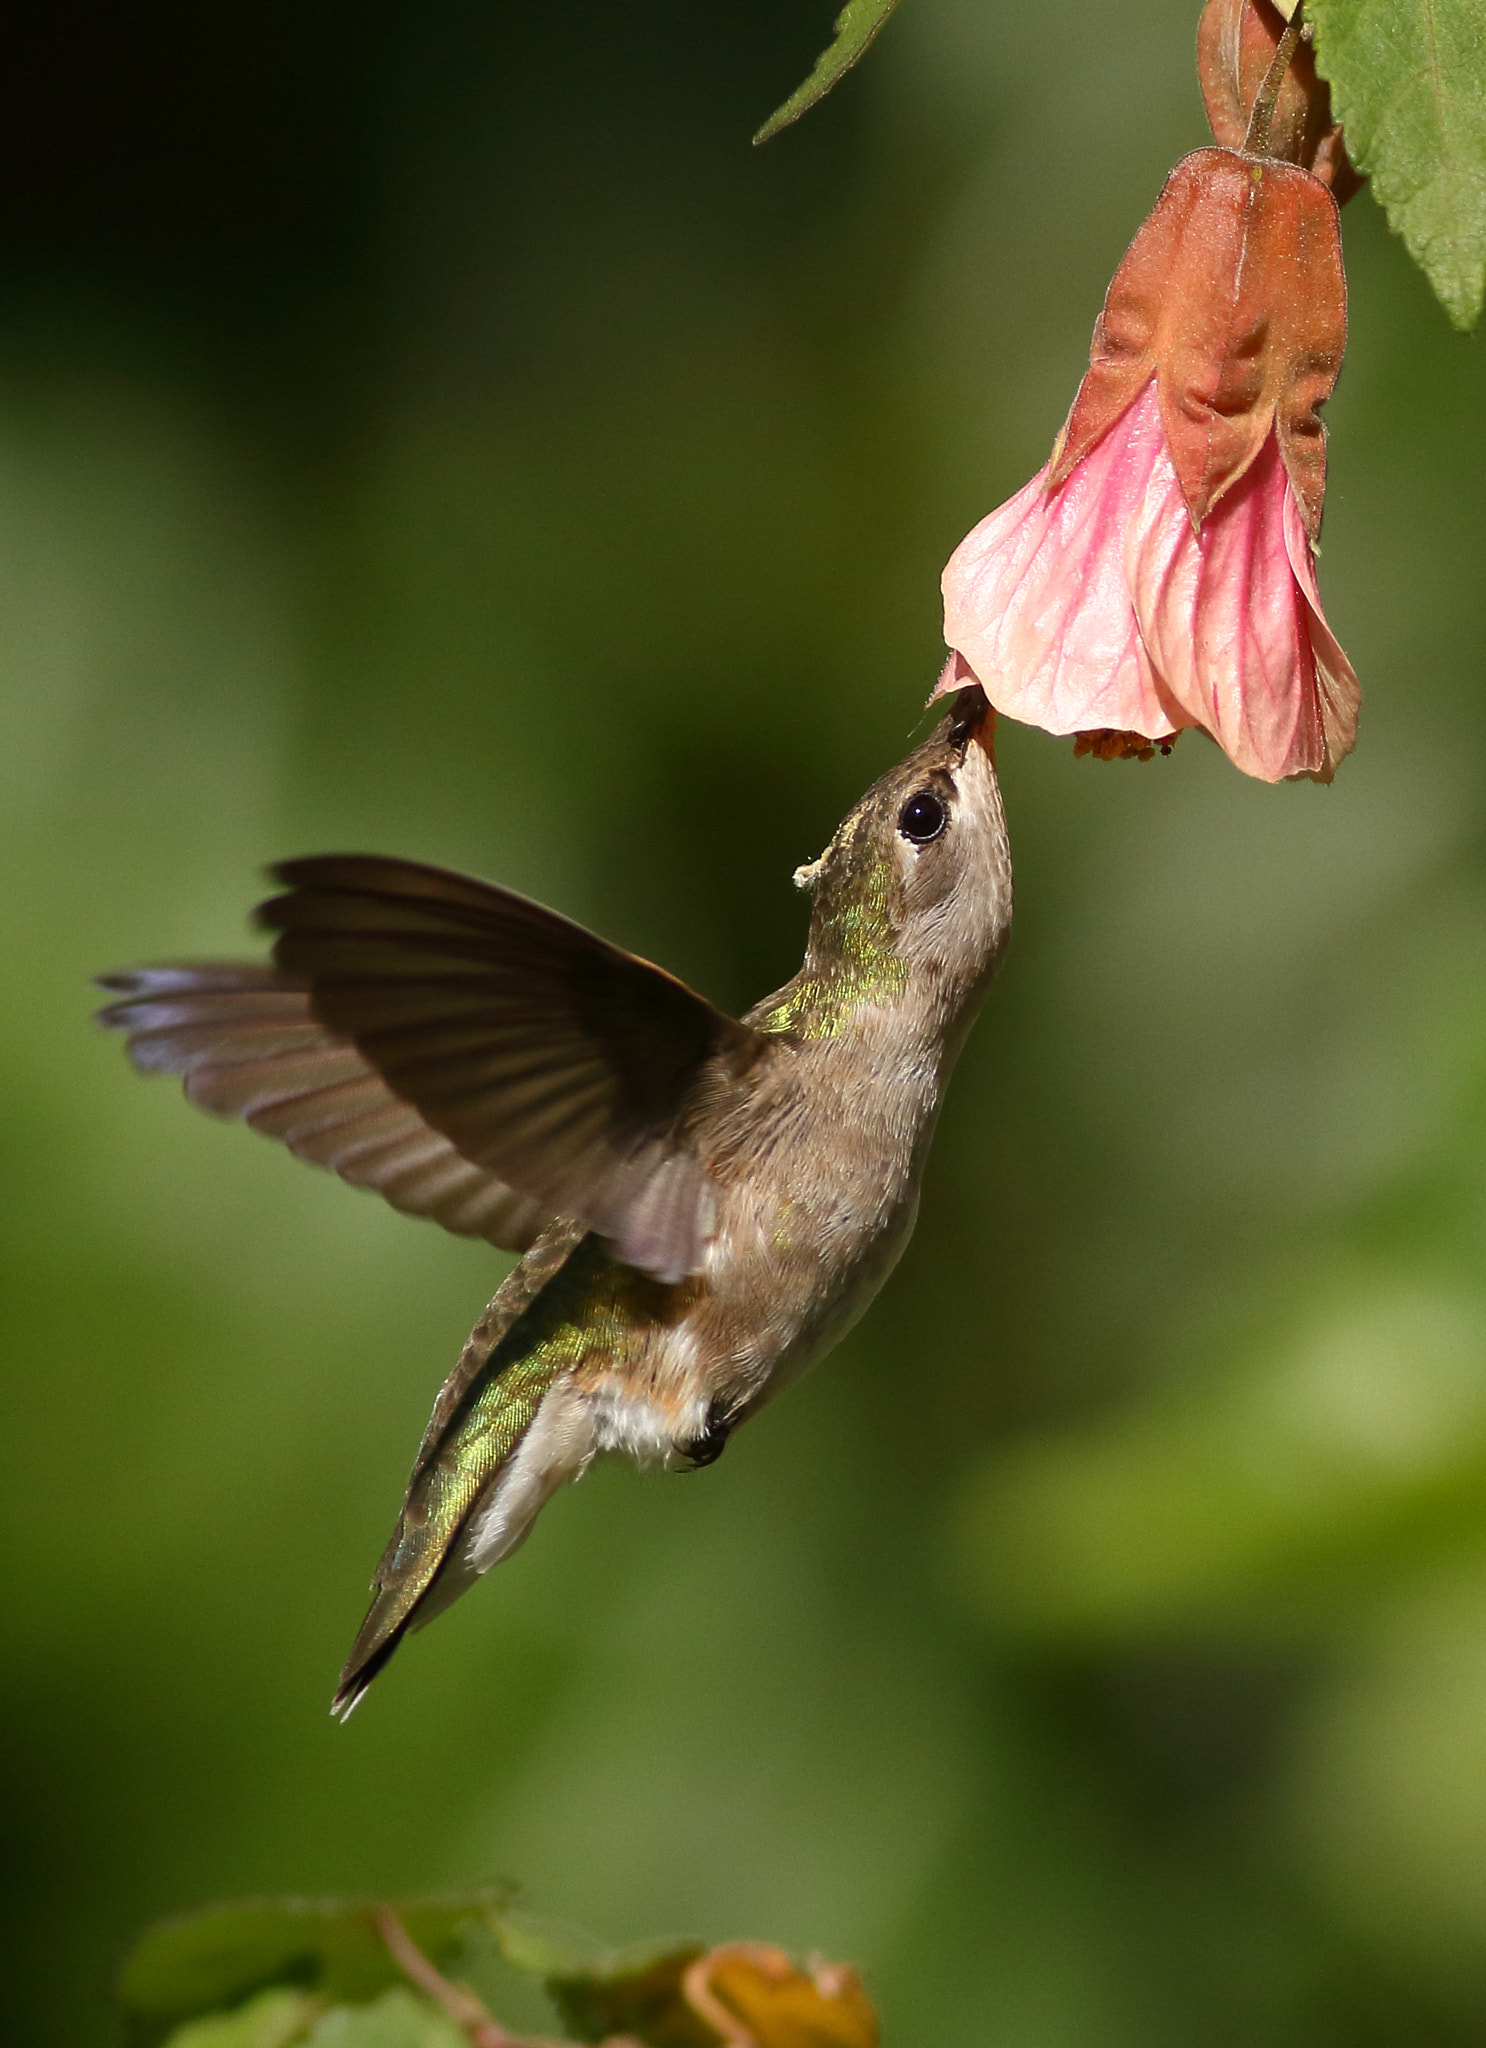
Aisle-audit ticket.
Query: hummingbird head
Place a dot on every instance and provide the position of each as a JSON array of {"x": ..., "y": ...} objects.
[{"x": 913, "y": 895}]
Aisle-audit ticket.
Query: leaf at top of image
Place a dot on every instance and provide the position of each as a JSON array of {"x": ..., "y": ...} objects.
[
  {"x": 1408, "y": 83},
  {"x": 215, "y": 1959},
  {"x": 855, "y": 28}
]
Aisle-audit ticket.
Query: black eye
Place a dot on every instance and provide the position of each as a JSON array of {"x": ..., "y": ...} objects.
[{"x": 923, "y": 817}]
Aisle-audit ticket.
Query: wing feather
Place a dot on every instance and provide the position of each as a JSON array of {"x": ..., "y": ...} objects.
[
  {"x": 548, "y": 1058},
  {"x": 249, "y": 1045}
]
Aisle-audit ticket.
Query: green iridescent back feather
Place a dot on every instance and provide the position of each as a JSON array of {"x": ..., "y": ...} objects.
[{"x": 568, "y": 1304}]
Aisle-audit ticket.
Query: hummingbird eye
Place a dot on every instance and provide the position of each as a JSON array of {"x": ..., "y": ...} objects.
[{"x": 923, "y": 817}]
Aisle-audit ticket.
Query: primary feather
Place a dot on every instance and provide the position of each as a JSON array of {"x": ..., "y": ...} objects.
[{"x": 249, "y": 1045}]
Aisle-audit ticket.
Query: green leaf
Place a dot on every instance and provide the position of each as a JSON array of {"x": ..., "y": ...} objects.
[
  {"x": 545, "y": 1947},
  {"x": 398, "y": 2019},
  {"x": 639, "y": 1996},
  {"x": 856, "y": 26},
  {"x": 602, "y": 1991},
  {"x": 211, "y": 1960},
  {"x": 1408, "y": 83},
  {"x": 274, "y": 2019}
]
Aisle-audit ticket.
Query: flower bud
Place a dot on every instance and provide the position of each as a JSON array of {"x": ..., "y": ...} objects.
[{"x": 1236, "y": 42}]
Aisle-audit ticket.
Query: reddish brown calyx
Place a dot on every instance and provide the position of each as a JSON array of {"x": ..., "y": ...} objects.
[
  {"x": 1107, "y": 745},
  {"x": 1236, "y": 44},
  {"x": 1232, "y": 296}
]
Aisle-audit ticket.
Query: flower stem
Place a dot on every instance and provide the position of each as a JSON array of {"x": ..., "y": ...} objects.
[{"x": 1256, "y": 142}]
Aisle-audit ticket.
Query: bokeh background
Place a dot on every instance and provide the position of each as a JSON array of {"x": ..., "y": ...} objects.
[{"x": 433, "y": 429}]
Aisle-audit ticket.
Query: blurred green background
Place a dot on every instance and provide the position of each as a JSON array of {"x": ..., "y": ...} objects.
[{"x": 432, "y": 429}]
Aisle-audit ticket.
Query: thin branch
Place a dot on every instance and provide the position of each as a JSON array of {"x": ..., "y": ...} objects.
[
  {"x": 461, "y": 2004},
  {"x": 467, "y": 2012}
]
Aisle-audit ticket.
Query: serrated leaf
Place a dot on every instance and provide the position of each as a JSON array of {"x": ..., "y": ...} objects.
[
  {"x": 856, "y": 27},
  {"x": 209, "y": 1961},
  {"x": 1408, "y": 83}
]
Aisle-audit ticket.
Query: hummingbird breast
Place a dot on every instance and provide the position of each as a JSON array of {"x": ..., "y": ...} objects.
[{"x": 817, "y": 1169}]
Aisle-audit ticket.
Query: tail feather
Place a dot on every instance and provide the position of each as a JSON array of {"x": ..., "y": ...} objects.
[
  {"x": 483, "y": 1469},
  {"x": 445, "y": 1497}
]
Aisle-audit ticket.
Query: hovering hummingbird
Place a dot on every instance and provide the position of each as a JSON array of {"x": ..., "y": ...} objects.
[{"x": 705, "y": 1205}]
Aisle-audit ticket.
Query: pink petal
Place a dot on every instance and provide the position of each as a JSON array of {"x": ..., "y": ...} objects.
[
  {"x": 1337, "y": 686},
  {"x": 1226, "y": 623},
  {"x": 954, "y": 675},
  {"x": 1035, "y": 598},
  {"x": 1097, "y": 605}
]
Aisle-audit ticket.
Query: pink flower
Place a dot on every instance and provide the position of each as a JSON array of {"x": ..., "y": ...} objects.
[{"x": 1159, "y": 573}]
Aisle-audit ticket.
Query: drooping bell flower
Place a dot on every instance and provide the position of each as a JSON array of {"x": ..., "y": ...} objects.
[{"x": 1159, "y": 572}]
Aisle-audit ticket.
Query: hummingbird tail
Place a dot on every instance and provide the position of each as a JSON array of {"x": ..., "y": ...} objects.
[
  {"x": 466, "y": 1511},
  {"x": 356, "y": 1679}
]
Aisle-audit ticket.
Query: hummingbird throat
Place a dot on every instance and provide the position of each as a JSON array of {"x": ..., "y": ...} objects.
[{"x": 852, "y": 957}]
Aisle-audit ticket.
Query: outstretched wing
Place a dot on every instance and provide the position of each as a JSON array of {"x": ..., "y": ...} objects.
[
  {"x": 250, "y": 1046},
  {"x": 546, "y": 1056}
]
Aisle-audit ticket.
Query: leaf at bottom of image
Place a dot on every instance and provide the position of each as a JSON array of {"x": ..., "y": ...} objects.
[{"x": 273, "y": 1973}]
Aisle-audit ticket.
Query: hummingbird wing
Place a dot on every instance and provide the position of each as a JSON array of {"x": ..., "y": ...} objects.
[
  {"x": 250, "y": 1046},
  {"x": 548, "y": 1057}
]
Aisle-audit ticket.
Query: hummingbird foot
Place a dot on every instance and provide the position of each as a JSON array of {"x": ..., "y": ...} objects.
[{"x": 707, "y": 1448}]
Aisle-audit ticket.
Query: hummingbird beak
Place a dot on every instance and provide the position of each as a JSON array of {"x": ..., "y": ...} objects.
[{"x": 972, "y": 718}]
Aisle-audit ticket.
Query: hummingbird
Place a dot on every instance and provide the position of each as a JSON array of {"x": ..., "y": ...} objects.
[{"x": 704, "y": 1204}]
